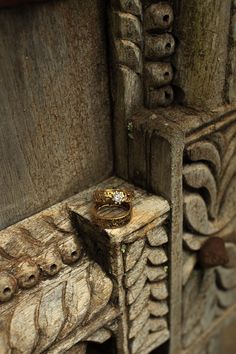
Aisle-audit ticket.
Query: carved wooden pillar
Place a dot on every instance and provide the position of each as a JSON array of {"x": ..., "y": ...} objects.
[
  {"x": 207, "y": 166},
  {"x": 137, "y": 257}
]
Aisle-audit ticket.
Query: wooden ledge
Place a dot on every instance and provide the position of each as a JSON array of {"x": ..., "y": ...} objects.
[
  {"x": 147, "y": 208},
  {"x": 54, "y": 294},
  {"x": 184, "y": 121}
]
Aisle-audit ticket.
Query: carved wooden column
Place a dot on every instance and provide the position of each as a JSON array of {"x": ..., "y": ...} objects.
[
  {"x": 207, "y": 166},
  {"x": 185, "y": 153}
]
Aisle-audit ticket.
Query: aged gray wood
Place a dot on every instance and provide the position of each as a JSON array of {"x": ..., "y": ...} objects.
[
  {"x": 54, "y": 102},
  {"x": 127, "y": 253},
  {"x": 159, "y": 143},
  {"x": 232, "y": 57},
  {"x": 126, "y": 41},
  {"x": 202, "y": 29}
]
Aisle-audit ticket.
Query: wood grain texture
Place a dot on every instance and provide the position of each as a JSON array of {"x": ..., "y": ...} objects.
[
  {"x": 231, "y": 82},
  {"x": 59, "y": 313},
  {"x": 155, "y": 161},
  {"x": 10, "y": 3},
  {"x": 126, "y": 41},
  {"x": 209, "y": 210},
  {"x": 158, "y": 71},
  {"x": 202, "y": 29},
  {"x": 128, "y": 253},
  {"x": 54, "y": 103}
]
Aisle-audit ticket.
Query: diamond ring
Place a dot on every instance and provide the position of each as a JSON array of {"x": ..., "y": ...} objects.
[
  {"x": 112, "y": 207},
  {"x": 117, "y": 196}
]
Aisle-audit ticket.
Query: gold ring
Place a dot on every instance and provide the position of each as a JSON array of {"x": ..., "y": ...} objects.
[
  {"x": 107, "y": 221},
  {"x": 113, "y": 196}
]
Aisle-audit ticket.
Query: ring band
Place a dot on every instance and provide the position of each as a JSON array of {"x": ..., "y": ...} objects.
[
  {"x": 113, "y": 196},
  {"x": 109, "y": 222}
]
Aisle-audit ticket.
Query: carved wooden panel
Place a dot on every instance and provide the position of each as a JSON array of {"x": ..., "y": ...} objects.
[
  {"x": 142, "y": 45},
  {"x": 181, "y": 147},
  {"x": 57, "y": 293},
  {"x": 232, "y": 56},
  {"x": 51, "y": 295},
  {"x": 209, "y": 210}
]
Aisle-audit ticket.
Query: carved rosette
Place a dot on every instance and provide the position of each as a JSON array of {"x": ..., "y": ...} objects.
[
  {"x": 146, "y": 289},
  {"x": 209, "y": 210}
]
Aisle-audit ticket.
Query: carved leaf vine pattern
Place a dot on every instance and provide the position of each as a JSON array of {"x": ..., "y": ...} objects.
[
  {"x": 54, "y": 312},
  {"x": 209, "y": 210}
]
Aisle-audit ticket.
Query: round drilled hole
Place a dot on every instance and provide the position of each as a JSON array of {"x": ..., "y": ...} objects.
[
  {"x": 167, "y": 95},
  {"x": 7, "y": 291},
  {"x": 74, "y": 254},
  {"x": 166, "y": 75},
  {"x": 53, "y": 267},
  {"x": 166, "y": 18},
  {"x": 31, "y": 278},
  {"x": 168, "y": 46}
]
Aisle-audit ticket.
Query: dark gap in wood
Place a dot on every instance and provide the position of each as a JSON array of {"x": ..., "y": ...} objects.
[
  {"x": 163, "y": 349},
  {"x": 108, "y": 347}
]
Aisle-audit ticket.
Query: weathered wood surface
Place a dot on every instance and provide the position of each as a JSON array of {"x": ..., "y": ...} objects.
[
  {"x": 155, "y": 162},
  {"x": 49, "y": 273},
  {"x": 209, "y": 210},
  {"x": 202, "y": 29},
  {"x": 209, "y": 165},
  {"x": 231, "y": 82},
  {"x": 202, "y": 342},
  {"x": 126, "y": 41},
  {"x": 158, "y": 71},
  {"x": 58, "y": 313},
  {"x": 51, "y": 295},
  {"x": 54, "y": 101},
  {"x": 128, "y": 253},
  {"x": 10, "y": 3}
]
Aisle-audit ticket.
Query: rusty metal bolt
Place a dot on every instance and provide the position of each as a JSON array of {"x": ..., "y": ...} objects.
[{"x": 213, "y": 253}]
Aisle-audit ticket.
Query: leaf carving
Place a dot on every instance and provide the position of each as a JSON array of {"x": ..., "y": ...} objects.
[
  {"x": 196, "y": 215},
  {"x": 198, "y": 175},
  {"x": 199, "y": 150},
  {"x": 101, "y": 289},
  {"x": 77, "y": 301},
  {"x": 23, "y": 327},
  {"x": 51, "y": 317}
]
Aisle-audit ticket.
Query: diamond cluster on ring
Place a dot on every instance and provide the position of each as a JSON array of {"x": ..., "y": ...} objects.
[{"x": 118, "y": 197}]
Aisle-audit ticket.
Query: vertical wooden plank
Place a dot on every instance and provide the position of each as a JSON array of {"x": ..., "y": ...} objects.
[
  {"x": 162, "y": 174},
  {"x": 127, "y": 65},
  {"x": 166, "y": 179},
  {"x": 202, "y": 29},
  {"x": 232, "y": 56},
  {"x": 55, "y": 130}
]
